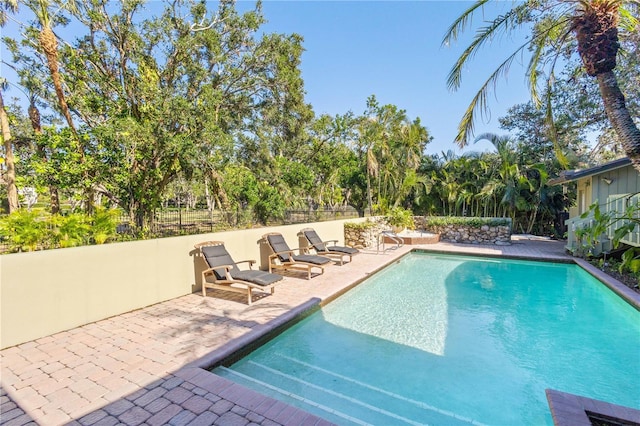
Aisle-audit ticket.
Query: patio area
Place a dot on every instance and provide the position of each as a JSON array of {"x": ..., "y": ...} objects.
[{"x": 143, "y": 367}]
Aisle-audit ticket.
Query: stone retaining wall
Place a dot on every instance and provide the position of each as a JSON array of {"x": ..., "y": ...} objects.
[
  {"x": 367, "y": 237},
  {"x": 498, "y": 235},
  {"x": 458, "y": 233},
  {"x": 364, "y": 236}
]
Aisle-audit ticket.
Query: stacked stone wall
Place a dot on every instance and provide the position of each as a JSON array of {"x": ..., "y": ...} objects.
[
  {"x": 364, "y": 237},
  {"x": 498, "y": 235},
  {"x": 367, "y": 237}
]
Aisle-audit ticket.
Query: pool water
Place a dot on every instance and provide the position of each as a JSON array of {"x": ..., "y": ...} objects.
[{"x": 448, "y": 340}]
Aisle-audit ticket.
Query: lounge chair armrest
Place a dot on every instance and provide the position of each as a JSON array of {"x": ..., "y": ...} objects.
[
  {"x": 300, "y": 250},
  {"x": 250, "y": 262},
  {"x": 330, "y": 241}
]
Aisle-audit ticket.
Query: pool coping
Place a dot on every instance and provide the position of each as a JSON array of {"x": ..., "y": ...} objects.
[
  {"x": 630, "y": 296},
  {"x": 573, "y": 410},
  {"x": 566, "y": 409}
]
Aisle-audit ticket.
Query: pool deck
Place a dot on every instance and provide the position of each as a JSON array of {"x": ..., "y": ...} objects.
[{"x": 145, "y": 366}]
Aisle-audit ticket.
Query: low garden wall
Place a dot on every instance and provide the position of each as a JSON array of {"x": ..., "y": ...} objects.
[
  {"x": 469, "y": 230},
  {"x": 364, "y": 234},
  {"x": 48, "y": 291}
]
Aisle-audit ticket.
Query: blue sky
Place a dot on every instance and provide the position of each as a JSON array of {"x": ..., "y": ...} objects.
[{"x": 390, "y": 49}]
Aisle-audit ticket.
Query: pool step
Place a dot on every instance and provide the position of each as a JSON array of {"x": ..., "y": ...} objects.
[{"x": 351, "y": 400}]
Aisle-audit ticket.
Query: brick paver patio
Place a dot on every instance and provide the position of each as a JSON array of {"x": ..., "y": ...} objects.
[{"x": 143, "y": 367}]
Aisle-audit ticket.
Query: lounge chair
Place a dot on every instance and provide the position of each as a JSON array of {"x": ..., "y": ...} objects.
[
  {"x": 223, "y": 273},
  {"x": 309, "y": 238},
  {"x": 282, "y": 257}
]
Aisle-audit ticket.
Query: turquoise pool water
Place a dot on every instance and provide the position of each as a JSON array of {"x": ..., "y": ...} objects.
[{"x": 448, "y": 340}]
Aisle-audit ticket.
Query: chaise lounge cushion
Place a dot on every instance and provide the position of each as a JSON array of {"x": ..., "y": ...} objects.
[
  {"x": 279, "y": 245},
  {"x": 311, "y": 258},
  {"x": 320, "y": 246},
  {"x": 345, "y": 250},
  {"x": 256, "y": 277},
  {"x": 219, "y": 256}
]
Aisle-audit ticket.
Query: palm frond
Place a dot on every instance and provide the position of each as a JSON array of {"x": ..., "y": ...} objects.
[
  {"x": 484, "y": 35},
  {"x": 459, "y": 25},
  {"x": 553, "y": 132},
  {"x": 479, "y": 101},
  {"x": 533, "y": 73},
  {"x": 542, "y": 40},
  {"x": 628, "y": 20}
]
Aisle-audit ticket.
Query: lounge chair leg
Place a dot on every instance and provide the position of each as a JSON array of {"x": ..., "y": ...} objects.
[{"x": 249, "y": 296}]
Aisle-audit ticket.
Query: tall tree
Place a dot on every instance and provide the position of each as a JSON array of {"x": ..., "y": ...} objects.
[
  {"x": 588, "y": 27},
  {"x": 10, "y": 179},
  {"x": 12, "y": 190}
]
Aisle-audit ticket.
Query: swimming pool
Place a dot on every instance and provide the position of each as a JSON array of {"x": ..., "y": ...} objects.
[{"x": 445, "y": 339}]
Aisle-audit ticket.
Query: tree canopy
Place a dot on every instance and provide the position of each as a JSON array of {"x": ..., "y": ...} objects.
[{"x": 196, "y": 106}]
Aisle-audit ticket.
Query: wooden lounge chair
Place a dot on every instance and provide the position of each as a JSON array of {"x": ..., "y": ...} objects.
[
  {"x": 282, "y": 257},
  {"x": 310, "y": 238},
  {"x": 223, "y": 273}
]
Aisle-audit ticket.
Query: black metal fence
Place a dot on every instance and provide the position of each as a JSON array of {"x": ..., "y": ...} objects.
[{"x": 183, "y": 221}]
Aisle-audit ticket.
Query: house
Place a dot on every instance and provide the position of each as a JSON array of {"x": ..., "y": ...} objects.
[{"x": 614, "y": 186}]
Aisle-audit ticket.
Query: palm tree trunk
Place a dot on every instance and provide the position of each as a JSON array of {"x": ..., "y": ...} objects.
[
  {"x": 50, "y": 46},
  {"x": 618, "y": 114},
  {"x": 12, "y": 189},
  {"x": 369, "y": 197}
]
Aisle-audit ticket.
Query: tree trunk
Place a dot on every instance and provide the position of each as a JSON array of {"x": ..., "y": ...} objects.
[
  {"x": 12, "y": 189},
  {"x": 618, "y": 114},
  {"x": 50, "y": 46}
]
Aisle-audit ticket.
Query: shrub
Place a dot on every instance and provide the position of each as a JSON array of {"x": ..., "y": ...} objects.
[
  {"x": 104, "y": 224},
  {"x": 32, "y": 230},
  {"x": 25, "y": 230},
  {"x": 71, "y": 230},
  {"x": 400, "y": 217},
  {"x": 473, "y": 222},
  {"x": 361, "y": 226}
]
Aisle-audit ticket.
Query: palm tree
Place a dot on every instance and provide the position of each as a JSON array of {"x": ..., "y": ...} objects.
[
  {"x": 508, "y": 169},
  {"x": 12, "y": 190},
  {"x": 591, "y": 25}
]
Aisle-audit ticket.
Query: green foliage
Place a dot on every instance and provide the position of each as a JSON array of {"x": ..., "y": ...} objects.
[
  {"x": 473, "y": 222},
  {"x": 400, "y": 217},
  {"x": 360, "y": 226},
  {"x": 630, "y": 261},
  {"x": 103, "y": 225},
  {"x": 270, "y": 204},
  {"x": 25, "y": 230},
  {"x": 70, "y": 230},
  {"x": 35, "y": 230},
  {"x": 201, "y": 113},
  {"x": 622, "y": 224}
]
